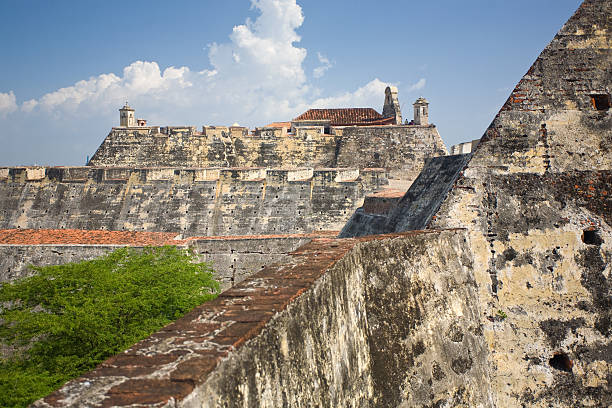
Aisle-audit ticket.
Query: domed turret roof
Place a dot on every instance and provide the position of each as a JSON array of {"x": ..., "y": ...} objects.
[{"x": 127, "y": 107}]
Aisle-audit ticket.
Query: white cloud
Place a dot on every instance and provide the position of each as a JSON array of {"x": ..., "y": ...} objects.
[
  {"x": 371, "y": 94},
  {"x": 319, "y": 71},
  {"x": 8, "y": 103},
  {"x": 259, "y": 70},
  {"x": 28, "y": 106},
  {"x": 420, "y": 84}
]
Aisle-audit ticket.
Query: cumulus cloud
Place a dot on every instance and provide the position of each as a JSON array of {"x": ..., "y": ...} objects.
[
  {"x": 371, "y": 94},
  {"x": 420, "y": 84},
  {"x": 259, "y": 70},
  {"x": 319, "y": 71},
  {"x": 139, "y": 78},
  {"x": 8, "y": 103},
  {"x": 257, "y": 76}
]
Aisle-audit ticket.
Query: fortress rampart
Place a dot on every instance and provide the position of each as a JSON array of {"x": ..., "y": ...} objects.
[
  {"x": 323, "y": 329},
  {"x": 233, "y": 258},
  {"x": 399, "y": 148},
  {"x": 194, "y": 202}
]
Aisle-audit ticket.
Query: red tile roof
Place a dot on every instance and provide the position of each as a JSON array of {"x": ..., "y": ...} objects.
[
  {"x": 316, "y": 234},
  {"x": 342, "y": 116},
  {"x": 279, "y": 125},
  {"x": 83, "y": 237}
]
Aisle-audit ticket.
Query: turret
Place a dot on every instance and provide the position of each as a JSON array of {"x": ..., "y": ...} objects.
[
  {"x": 391, "y": 108},
  {"x": 421, "y": 112},
  {"x": 126, "y": 116}
]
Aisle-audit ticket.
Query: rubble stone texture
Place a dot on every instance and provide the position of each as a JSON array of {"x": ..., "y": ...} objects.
[
  {"x": 324, "y": 329},
  {"x": 536, "y": 198},
  {"x": 399, "y": 149},
  {"x": 194, "y": 202}
]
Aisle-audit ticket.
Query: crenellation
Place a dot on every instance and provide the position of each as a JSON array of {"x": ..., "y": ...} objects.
[
  {"x": 34, "y": 173},
  {"x": 270, "y": 132},
  {"x": 217, "y": 201},
  {"x": 300, "y": 174}
]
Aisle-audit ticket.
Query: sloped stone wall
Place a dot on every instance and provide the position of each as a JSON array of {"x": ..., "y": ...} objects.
[
  {"x": 378, "y": 322},
  {"x": 214, "y": 147},
  {"x": 194, "y": 202},
  {"x": 399, "y": 149},
  {"x": 536, "y": 198}
]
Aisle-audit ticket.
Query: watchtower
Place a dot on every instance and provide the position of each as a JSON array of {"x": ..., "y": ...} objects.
[
  {"x": 421, "y": 112},
  {"x": 126, "y": 116}
]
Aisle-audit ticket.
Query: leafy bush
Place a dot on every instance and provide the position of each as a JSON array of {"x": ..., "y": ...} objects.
[{"x": 67, "y": 319}]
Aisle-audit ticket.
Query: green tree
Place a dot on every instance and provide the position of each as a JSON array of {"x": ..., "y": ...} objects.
[{"x": 66, "y": 319}]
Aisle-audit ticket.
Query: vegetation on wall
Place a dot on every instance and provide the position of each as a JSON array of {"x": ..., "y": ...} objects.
[{"x": 66, "y": 319}]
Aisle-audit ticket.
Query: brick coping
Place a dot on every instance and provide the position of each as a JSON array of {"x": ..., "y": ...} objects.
[{"x": 75, "y": 237}]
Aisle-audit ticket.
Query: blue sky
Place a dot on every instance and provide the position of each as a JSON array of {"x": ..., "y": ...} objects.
[{"x": 67, "y": 66}]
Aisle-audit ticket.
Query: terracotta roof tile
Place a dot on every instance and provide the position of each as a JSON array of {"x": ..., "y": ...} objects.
[
  {"x": 279, "y": 125},
  {"x": 129, "y": 238},
  {"x": 84, "y": 237},
  {"x": 342, "y": 116}
]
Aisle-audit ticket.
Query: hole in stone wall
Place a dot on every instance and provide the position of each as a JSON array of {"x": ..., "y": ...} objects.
[
  {"x": 601, "y": 102},
  {"x": 561, "y": 361},
  {"x": 591, "y": 237}
]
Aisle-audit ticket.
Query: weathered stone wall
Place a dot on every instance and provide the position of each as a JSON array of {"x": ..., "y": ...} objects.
[
  {"x": 236, "y": 258},
  {"x": 387, "y": 322},
  {"x": 15, "y": 259},
  {"x": 400, "y": 149},
  {"x": 215, "y": 147},
  {"x": 417, "y": 206},
  {"x": 194, "y": 202},
  {"x": 232, "y": 258},
  {"x": 536, "y": 198},
  {"x": 20, "y": 248},
  {"x": 465, "y": 147}
]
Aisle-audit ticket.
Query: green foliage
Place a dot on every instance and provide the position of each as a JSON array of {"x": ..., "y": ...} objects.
[
  {"x": 67, "y": 319},
  {"x": 501, "y": 314}
]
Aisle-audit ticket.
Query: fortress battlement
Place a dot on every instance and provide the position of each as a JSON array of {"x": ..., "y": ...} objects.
[
  {"x": 181, "y": 175},
  {"x": 192, "y": 201}
]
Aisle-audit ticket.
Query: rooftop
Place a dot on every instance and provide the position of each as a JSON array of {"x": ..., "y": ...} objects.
[{"x": 342, "y": 116}]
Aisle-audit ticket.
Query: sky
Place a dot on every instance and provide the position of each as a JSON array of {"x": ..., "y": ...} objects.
[{"x": 67, "y": 66}]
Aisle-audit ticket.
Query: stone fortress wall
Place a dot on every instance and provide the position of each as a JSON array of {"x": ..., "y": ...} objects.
[
  {"x": 511, "y": 308},
  {"x": 503, "y": 301},
  {"x": 401, "y": 149},
  {"x": 232, "y": 258},
  {"x": 193, "y": 202},
  {"x": 323, "y": 329}
]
